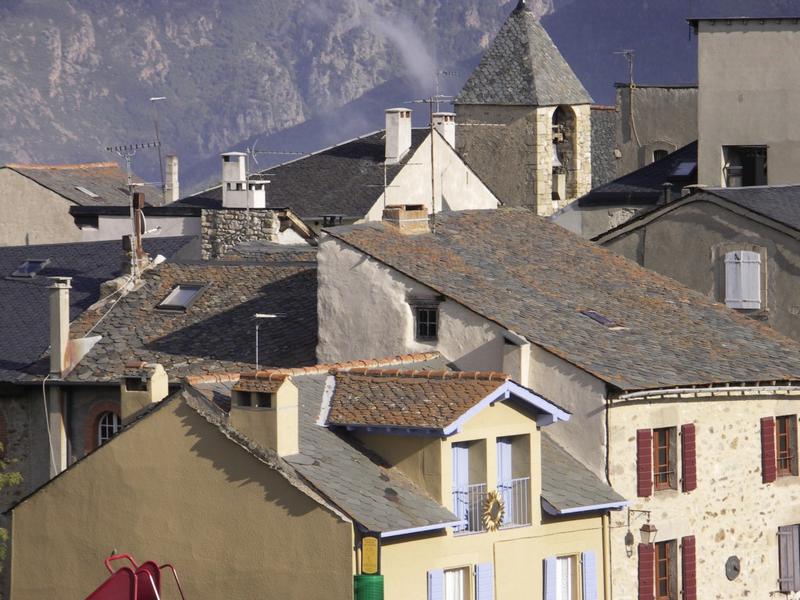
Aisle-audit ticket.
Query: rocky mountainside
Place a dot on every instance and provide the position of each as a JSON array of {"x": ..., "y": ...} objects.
[{"x": 77, "y": 75}]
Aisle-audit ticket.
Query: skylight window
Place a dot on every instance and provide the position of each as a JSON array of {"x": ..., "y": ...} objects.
[
  {"x": 603, "y": 320},
  {"x": 684, "y": 169},
  {"x": 31, "y": 267},
  {"x": 86, "y": 191},
  {"x": 181, "y": 297}
]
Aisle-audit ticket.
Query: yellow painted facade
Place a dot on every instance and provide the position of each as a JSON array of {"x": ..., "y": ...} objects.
[
  {"x": 173, "y": 488},
  {"x": 517, "y": 554}
]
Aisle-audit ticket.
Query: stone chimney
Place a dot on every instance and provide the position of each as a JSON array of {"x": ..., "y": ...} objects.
[
  {"x": 59, "y": 325},
  {"x": 398, "y": 134},
  {"x": 408, "y": 218},
  {"x": 445, "y": 124},
  {"x": 172, "y": 188},
  {"x": 264, "y": 408},
  {"x": 237, "y": 190},
  {"x": 142, "y": 385}
]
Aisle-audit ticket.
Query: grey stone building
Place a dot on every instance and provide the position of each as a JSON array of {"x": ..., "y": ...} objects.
[
  {"x": 524, "y": 119},
  {"x": 740, "y": 247}
]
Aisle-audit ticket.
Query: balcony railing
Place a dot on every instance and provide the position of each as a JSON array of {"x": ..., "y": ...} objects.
[
  {"x": 516, "y": 500},
  {"x": 468, "y": 505}
]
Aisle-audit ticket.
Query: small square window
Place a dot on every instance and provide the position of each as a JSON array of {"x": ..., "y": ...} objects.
[
  {"x": 181, "y": 297},
  {"x": 427, "y": 322}
]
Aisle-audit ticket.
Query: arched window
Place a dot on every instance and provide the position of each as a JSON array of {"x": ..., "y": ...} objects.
[{"x": 108, "y": 424}]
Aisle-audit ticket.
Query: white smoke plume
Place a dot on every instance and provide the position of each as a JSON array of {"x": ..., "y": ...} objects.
[{"x": 541, "y": 8}]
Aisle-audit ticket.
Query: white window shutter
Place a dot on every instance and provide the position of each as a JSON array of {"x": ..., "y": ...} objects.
[
  {"x": 743, "y": 279},
  {"x": 436, "y": 585},
  {"x": 504, "y": 477},
  {"x": 484, "y": 582},
  {"x": 550, "y": 578},
  {"x": 460, "y": 468},
  {"x": 589, "y": 562}
]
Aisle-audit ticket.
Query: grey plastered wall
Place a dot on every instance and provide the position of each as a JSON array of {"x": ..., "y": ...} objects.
[
  {"x": 662, "y": 118},
  {"x": 749, "y": 95},
  {"x": 688, "y": 244},
  {"x": 32, "y": 214}
]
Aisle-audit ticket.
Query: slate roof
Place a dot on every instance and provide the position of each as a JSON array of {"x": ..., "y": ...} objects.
[
  {"x": 106, "y": 179},
  {"x": 645, "y": 186},
  {"x": 391, "y": 398},
  {"x": 523, "y": 67},
  {"x": 779, "y": 203},
  {"x": 567, "y": 485},
  {"x": 24, "y": 320},
  {"x": 536, "y": 279},
  {"x": 217, "y": 332},
  {"x": 604, "y": 140},
  {"x": 344, "y": 180}
]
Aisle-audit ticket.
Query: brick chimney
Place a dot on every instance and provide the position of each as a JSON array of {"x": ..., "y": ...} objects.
[
  {"x": 445, "y": 124},
  {"x": 398, "y": 134},
  {"x": 172, "y": 188},
  {"x": 408, "y": 218},
  {"x": 142, "y": 385},
  {"x": 264, "y": 408},
  {"x": 59, "y": 325}
]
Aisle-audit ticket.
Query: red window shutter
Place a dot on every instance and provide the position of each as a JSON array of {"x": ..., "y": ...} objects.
[
  {"x": 769, "y": 470},
  {"x": 647, "y": 566},
  {"x": 689, "y": 568},
  {"x": 688, "y": 457},
  {"x": 644, "y": 463}
]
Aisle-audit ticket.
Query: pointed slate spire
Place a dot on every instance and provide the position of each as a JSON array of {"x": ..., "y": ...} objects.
[{"x": 523, "y": 67}]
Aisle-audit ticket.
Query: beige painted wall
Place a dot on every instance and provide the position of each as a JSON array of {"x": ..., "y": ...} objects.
[
  {"x": 173, "y": 488},
  {"x": 517, "y": 554},
  {"x": 32, "y": 214},
  {"x": 747, "y": 97},
  {"x": 731, "y": 512},
  {"x": 456, "y": 186},
  {"x": 700, "y": 232}
]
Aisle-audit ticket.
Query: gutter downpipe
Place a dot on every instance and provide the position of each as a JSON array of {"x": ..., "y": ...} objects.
[{"x": 606, "y": 556}]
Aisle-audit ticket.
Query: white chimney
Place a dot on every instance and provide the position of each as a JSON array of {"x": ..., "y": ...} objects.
[
  {"x": 172, "y": 191},
  {"x": 445, "y": 124},
  {"x": 398, "y": 134},
  {"x": 59, "y": 325},
  {"x": 237, "y": 190}
]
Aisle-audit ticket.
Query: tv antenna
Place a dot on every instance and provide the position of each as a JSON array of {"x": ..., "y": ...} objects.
[
  {"x": 253, "y": 153},
  {"x": 436, "y": 99},
  {"x": 127, "y": 152},
  {"x": 437, "y": 91},
  {"x": 154, "y": 103},
  {"x": 630, "y": 57}
]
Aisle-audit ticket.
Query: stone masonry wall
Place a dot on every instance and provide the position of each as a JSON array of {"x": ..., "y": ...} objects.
[
  {"x": 222, "y": 229},
  {"x": 731, "y": 513}
]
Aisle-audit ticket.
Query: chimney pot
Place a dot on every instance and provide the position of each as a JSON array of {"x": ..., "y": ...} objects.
[
  {"x": 142, "y": 385},
  {"x": 172, "y": 189},
  {"x": 445, "y": 124},
  {"x": 398, "y": 134},
  {"x": 59, "y": 324},
  {"x": 237, "y": 190}
]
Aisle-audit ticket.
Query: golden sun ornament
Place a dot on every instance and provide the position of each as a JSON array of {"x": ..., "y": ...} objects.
[{"x": 493, "y": 511}]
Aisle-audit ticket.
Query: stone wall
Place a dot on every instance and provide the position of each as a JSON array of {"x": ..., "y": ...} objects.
[
  {"x": 731, "y": 513},
  {"x": 222, "y": 229}
]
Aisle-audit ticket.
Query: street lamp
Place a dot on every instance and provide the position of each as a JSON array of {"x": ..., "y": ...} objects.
[{"x": 647, "y": 532}]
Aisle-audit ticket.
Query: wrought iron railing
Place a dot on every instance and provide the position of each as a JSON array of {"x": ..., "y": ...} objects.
[
  {"x": 516, "y": 501},
  {"x": 468, "y": 506}
]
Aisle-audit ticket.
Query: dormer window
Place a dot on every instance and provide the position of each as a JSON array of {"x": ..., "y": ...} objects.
[
  {"x": 181, "y": 297},
  {"x": 31, "y": 267}
]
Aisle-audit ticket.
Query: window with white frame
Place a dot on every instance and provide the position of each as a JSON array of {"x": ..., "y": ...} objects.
[
  {"x": 571, "y": 577},
  {"x": 469, "y": 484},
  {"x": 513, "y": 479},
  {"x": 743, "y": 279},
  {"x": 107, "y": 426},
  {"x": 475, "y": 582},
  {"x": 456, "y": 584}
]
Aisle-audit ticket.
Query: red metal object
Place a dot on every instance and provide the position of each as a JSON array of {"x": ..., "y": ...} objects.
[{"x": 141, "y": 582}]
